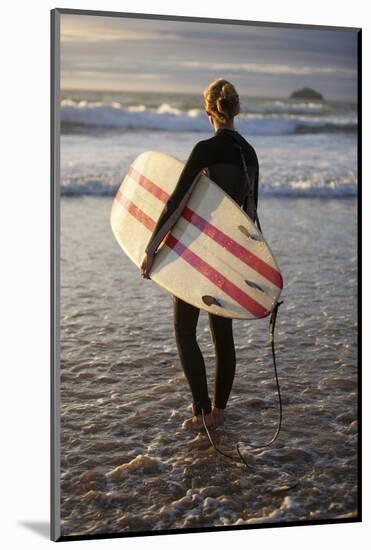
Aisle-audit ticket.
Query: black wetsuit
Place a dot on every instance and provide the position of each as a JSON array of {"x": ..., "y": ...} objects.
[{"x": 222, "y": 156}]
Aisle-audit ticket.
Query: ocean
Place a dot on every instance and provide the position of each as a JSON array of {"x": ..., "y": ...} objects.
[
  {"x": 304, "y": 148},
  {"x": 126, "y": 463}
]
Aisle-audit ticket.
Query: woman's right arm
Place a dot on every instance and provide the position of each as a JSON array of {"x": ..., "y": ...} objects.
[{"x": 255, "y": 184}]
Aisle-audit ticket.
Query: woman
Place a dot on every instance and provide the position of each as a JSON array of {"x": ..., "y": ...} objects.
[{"x": 220, "y": 157}]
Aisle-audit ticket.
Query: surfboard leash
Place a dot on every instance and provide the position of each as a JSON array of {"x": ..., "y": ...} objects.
[
  {"x": 216, "y": 448},
  {"x": 272, "y": 324}
]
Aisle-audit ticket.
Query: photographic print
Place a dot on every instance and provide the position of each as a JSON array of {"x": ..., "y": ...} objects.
[{"x": 205, "y": 191}]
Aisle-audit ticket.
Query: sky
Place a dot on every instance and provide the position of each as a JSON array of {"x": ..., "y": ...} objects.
[{"x": 132, "y": 54}]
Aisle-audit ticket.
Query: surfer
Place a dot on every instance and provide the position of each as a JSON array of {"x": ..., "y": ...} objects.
[{"x": 219, "y": 157}]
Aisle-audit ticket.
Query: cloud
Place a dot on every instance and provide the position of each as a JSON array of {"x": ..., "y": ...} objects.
[
  {"x": 270, "y": 69},
  {"x": 185, "y": 55},
  {"x": 87, "y": 35},
  {"x": 86, "y": 29},
  {"x": 106, "y": 74}
]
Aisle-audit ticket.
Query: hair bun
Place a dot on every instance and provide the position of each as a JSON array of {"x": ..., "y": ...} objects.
[
  {"x": 222, "y": 99},
  {"x": 229, "y": 94}
]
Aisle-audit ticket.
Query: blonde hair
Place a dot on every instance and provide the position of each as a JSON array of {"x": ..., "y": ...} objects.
[{"x": 221, "y": 100}]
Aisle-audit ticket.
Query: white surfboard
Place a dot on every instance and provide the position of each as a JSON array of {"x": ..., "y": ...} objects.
[{"x": 214, "y": 257}]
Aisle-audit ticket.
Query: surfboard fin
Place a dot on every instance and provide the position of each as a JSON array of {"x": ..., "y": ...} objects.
[
  {"x": 246, "y": 232},
  {"x": 210, "y": 300},
  {"x": 254, "y": 285}
]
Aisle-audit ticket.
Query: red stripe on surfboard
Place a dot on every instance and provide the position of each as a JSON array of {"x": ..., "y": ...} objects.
[
  {"x": 234, "y": 247},
  {"x": 197, "y": 263},
  {"x": 141, "y": 216},
  {"x": 148, "y": 184},
  {"x": 217, "y": 278},
  {"x": 240, "y": 252}
]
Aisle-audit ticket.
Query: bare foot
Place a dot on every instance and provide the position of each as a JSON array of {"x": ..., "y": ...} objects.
[
  {"x": 196, "y": 423},
  {"x": 218, "y": 416}
]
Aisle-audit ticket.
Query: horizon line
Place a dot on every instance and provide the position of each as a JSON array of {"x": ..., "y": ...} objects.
[{"x": 242, "y": 95}]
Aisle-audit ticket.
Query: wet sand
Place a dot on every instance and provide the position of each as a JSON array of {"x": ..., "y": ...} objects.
[{"x": 126, "y": 463}]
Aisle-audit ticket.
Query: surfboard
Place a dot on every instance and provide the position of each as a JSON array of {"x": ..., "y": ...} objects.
[{"x": 214, "y": 257}]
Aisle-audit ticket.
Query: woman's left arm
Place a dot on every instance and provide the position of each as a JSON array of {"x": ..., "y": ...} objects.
[{"x": 173, "y": 208}]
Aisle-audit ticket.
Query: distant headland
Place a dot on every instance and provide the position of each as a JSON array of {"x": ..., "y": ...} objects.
[{"x": 306, "y": 93}]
